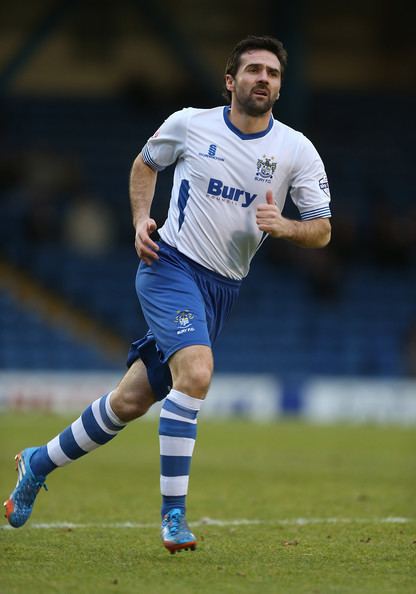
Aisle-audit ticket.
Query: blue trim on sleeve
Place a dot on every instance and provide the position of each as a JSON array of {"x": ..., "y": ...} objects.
[
  {"x": 241, "y": 134},
  {"x": 149, "y": 161},
  {"x": 318, "y": 213},
  {"x": 183, "y": 199}
]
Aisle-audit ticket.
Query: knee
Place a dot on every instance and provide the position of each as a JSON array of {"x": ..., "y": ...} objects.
[
  {"x": 195, "y": 380},
  {"x": 128, "y": 405}
]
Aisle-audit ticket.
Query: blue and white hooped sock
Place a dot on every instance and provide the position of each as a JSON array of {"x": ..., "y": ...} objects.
[
  {"x": 97, "y": 425},
  {"x": 177, "y": 434}
]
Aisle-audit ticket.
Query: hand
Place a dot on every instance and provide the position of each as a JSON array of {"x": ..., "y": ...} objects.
[
  {"x": 270, "y": 220},
  {"x": 146, "y": 247}
]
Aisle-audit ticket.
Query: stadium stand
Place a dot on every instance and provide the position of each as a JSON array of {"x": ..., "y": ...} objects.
[
  {"x": 28, "y": 341},
  {"x": 345, "y": 313}
]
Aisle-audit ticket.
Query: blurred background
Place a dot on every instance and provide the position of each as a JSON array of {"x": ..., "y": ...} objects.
[{"x": 326, "y": 333}]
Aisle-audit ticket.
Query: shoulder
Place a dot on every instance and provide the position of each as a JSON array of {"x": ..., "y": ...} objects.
[
  {"x": 203, "y": 114},
  {"x": 197, "y": 112},
  {"x": 302, "y": 147},
  {"x": 289, "y": 133},
  {"x": 183, "y": 117}
]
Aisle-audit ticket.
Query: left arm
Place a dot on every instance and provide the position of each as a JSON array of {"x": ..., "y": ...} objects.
[{"x": 315, "y": 233}]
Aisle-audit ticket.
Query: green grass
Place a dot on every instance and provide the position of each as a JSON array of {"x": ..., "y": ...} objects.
[{"x": 276, "y": 473}]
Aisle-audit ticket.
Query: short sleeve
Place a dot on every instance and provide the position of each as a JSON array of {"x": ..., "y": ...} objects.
[
  {"x": 309, "y": 188},
  {"x": 167, "y": 145}
]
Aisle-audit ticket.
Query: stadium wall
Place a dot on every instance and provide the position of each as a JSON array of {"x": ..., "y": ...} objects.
[{"x": 257, "y": 397}]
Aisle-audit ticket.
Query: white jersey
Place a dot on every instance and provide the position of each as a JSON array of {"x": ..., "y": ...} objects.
[{"x": 222, "y": 175}]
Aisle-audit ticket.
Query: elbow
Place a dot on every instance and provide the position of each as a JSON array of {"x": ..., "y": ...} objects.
[
  {"x": 326, "y": 239},
  {"x": 325, "y": 236}
]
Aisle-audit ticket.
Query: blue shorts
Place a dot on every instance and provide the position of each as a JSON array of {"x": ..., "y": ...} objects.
[{"x": 184, "y": 304}]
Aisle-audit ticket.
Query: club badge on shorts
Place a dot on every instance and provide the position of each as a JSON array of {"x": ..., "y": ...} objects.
[{"x": 184, "y": 321}]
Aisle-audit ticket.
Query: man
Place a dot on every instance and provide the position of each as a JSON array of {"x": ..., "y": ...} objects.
[{"x": 234, "y": 166}]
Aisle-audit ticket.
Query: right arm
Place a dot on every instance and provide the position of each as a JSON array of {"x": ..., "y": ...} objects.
[
  {"x": 160, "y": 151},
  {"x": 142, "y": 189}
]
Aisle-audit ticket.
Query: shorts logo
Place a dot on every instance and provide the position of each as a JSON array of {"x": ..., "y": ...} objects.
[
  {"x": 324, "y": 185},
  {"x": 265, "y": 169},
  {"x": 183, "y": 320}
]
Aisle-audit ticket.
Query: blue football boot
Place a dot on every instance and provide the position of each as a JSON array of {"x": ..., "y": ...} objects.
[
  {"x": 20, "y": 503},
  {"x": 175, "y": 532}
]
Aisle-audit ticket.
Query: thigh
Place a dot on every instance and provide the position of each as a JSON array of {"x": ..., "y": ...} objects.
[{"x": 173, "y": 306}]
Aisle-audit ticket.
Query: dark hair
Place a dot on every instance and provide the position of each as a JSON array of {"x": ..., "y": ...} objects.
[{"x": 254, "y": 42}]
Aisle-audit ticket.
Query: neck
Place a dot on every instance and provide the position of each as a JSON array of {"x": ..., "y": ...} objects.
[{"x": 246, "y": 123}]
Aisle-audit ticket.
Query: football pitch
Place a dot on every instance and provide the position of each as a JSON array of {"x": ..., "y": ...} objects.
[{"x": 284, "y": 507}]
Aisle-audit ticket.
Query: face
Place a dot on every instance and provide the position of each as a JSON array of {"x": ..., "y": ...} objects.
[{"x": 257, "y": 82}]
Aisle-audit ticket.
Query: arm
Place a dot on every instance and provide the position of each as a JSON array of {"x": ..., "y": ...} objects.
[
  {"x": 309, "y": 234},
  {"x": 142, "y": 189},
  {"x": 164, "y": 148}
]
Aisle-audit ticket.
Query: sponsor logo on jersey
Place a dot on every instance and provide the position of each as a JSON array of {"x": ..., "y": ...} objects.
[
  {"x": 183, "y": 321},
  {"x": 266, "y": 166},
  {"x": 217, "y": 189},
  {"x": 212, "y": 153},
  {"x": 324, "y": 185},
  {"x": 212, "y": 150}
]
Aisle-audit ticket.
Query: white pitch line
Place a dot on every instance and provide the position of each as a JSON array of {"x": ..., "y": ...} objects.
[{"x": 223, "y": 523}]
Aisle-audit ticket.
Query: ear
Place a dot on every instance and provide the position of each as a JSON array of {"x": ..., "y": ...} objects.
[{"x": 229, "y": 82}]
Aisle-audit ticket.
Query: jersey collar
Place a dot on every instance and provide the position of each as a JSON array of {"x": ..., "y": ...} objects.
[{"x": 241, "y": 134}]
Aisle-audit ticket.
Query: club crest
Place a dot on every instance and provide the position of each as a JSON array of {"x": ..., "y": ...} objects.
[
  {"x": 184, "y": 317},
  {"x": 266, "y": 166}
]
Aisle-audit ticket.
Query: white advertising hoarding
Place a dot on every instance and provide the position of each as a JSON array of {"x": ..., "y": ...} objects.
[
  {"x": 259, "y": 397},
  {"x": 248, "y": 396}
]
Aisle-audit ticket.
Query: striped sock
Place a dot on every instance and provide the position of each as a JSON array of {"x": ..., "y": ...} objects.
[
  {"x": 96, "y": 426},
  {"x": 177, "y": 434}
]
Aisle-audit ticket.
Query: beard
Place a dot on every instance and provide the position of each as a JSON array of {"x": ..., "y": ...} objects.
[{"x": 252, "y": 105}]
